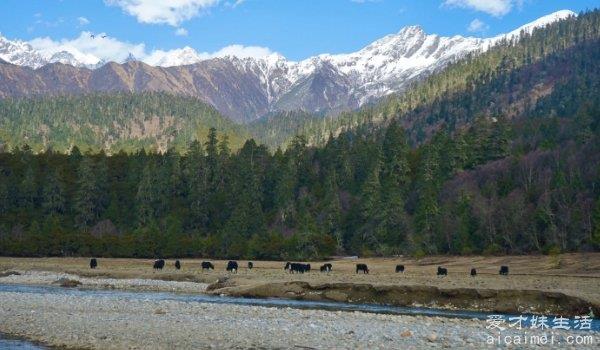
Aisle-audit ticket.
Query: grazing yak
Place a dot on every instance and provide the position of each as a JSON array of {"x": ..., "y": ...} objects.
[
  {"x": 442, "y": 271},
  {"x": 473, "y": 272},
  {"x": 177, "y": 264},
  {"x": 93, "y": 263},
  {"x": 207, "y": 265},
  {"x": 159, "y": 264},
  {"x": 399, "y": 268},
  {"x": 250, "y": 265},
  {"x": 232, "y": 266},
  {"x": 326, "y": 268},
  {"x": 504, "y": 270},
  {"x": 297, "y": 267},
  {"x": 362, "y": 267}
]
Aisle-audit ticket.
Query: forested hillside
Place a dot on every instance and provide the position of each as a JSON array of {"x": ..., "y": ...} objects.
[
  {"x": 111, "y": 122},
  {"x": 495, "y": 156},
  {"x": 423, "y": 107}
]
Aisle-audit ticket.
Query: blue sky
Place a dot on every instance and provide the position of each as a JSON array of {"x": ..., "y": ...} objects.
[{"x": 295, "y": 28}]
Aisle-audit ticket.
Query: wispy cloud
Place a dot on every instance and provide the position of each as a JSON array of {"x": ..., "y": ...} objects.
[
  {"x": 477, "y": 26},
  {"x": 234, "y": 3},
  {"x": 497, "y": 8},
  {"x": 83, "y": 21},
  {"x": 181, "y": 32},
  {"x": 172, "y": 12}
]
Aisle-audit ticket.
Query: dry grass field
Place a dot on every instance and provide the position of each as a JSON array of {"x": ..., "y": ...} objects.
[{"x": 572, "y": 274}]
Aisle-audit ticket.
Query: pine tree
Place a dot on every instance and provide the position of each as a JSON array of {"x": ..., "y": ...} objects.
[
  {"x": 395, "y": 166},
  {"x": 370, "y": 209},
  {"x": 146, "y": 197},
  {"x": 195, "y": 176},
  {"x": 53, "y": 200},
  {"x": 28, "y": 192},
  {"x": 87, "y": 195}
]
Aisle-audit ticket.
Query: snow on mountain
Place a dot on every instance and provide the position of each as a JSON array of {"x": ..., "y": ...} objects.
[
  {"x": 177, "y": 57},
  {"x": 321, "y": 83},
  {"x": 20, "y": 53},
  {"x": 530, "y": 27}
]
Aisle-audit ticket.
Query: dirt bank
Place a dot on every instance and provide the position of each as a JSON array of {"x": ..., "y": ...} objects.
[{"x": 493, "y": 300}]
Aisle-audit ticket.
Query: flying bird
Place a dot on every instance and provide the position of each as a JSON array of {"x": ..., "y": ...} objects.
[
  {"x": 104, "y": 36},
  {"x": 93, "y": 36}
]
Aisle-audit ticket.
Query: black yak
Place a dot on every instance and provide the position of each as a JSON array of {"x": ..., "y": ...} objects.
[
  {"x": 207, "y": 265},
  {"x": 232, "y": 266},
  {"x": 159, "y": 264},
  {"x": 298, "y": 267},
  {"x": 326, "y": 268},
  {"x": 362, "y": 267}
]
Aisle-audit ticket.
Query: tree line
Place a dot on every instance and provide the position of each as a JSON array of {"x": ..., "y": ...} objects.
[{"x": 365, "y": 192}]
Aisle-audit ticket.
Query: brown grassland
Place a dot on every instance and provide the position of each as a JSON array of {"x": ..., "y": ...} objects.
[{"x": 574, "y": 275}]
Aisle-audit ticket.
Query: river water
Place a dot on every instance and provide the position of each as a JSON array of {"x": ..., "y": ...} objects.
[
  {"x": 7, "y": 343},
  {"x": 205, "y": 298}
]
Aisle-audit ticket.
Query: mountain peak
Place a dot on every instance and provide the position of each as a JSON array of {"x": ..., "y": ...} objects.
[
  {"x": 268, "y": 82},
  {"x": 131, "y": 58},
  {"x": 542, "y": 22},
  {"x": 411, "y": 31}
]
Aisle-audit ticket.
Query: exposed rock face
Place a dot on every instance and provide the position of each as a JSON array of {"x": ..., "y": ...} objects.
[{"x": 245, "y": 89}]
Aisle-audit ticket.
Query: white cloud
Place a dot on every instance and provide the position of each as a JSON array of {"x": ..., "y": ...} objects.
[
  {"x": 181, "y": 32},
  {"x": 234, "y": 3},
  {"x": 83, "y": 21},
  {"x": 242, "y": 51},
  {"x": 88, "y": 49},
  {"x": 496, "y": 8},
  {"x": 188, "y": 55},
  {"x": 477, "y": 26},
  {"x": 92, "y": 50},
  {"x": 172, "y": 12}
]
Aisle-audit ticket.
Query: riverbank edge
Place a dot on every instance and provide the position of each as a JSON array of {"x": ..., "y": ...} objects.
[
  {"x": 505, "y": 301},
  {"x": 36, "y": 342}
]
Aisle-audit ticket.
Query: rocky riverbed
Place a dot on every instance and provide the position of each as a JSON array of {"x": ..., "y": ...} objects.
[
  {"x": 79, "y": 321},
  {"x": 92, "y": 319},
  {"x": 71, "y": 280}
]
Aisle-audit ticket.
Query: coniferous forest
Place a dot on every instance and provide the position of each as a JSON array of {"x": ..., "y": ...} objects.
[{"x": 482, "y": 158}]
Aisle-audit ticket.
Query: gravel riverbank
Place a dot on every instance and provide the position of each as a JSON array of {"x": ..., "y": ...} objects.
[
  {"x": 136, "y": 284},
  {"x": 86, "y": 321}
]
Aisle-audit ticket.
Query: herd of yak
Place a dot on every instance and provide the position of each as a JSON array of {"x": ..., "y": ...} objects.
[{"x": 232, "y": 266}]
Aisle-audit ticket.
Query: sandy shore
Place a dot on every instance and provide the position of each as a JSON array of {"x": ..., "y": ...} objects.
[{"x": 112, "y": 323}]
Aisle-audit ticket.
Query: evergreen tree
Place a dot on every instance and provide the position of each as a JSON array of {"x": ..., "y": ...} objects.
[
  {"x": 88, "y": 195},
  {"x": 53, "y": 200}
]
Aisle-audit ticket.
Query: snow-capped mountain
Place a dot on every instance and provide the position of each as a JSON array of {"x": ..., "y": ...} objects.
[
  {"x": 20, "y": 53},
  {"x": 256, "y": 86},
  {"x": 177, "y": 57},
  {"x": 23, "y": 54}
]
